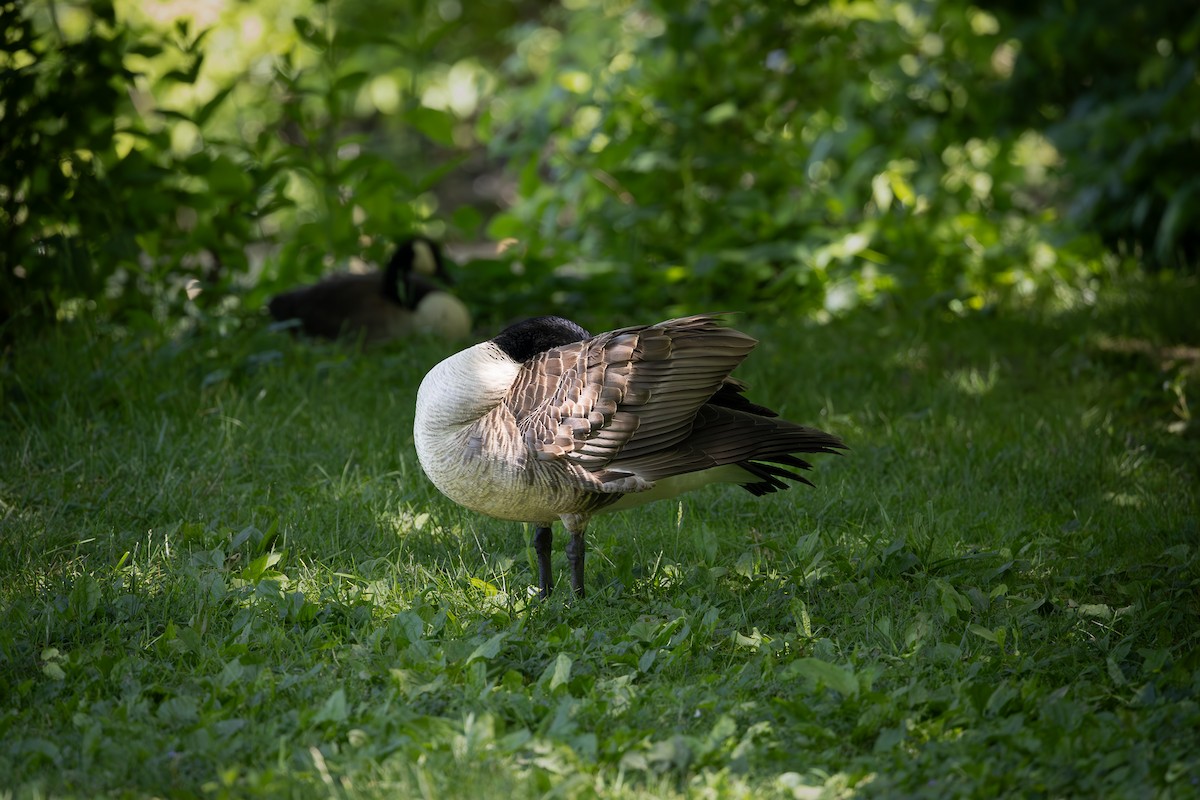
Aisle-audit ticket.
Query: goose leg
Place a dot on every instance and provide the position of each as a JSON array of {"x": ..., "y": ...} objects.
[
  {"x": 542, "y": 537},
  {"x": 576, "y": 524},
  {"x": 575, "y": 551}
]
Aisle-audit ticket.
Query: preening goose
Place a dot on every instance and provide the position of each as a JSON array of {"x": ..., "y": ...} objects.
[
  {"x": 546, "y": 422},
  {"x": 404, "y": 298}
]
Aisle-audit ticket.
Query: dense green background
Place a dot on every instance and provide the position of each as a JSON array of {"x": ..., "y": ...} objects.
[
  {"x": 803, "y": 157},
  {"x": 965, "y": 234}
]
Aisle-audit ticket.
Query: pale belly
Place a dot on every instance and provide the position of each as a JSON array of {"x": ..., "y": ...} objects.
[
  {"x": 544, "y": 493},
  {"x": 540, "y": 493}
]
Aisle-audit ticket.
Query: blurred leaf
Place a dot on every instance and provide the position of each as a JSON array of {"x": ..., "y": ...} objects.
[
  {"x": 189, "y": 75},
  {"x": 1183, "y": 209},
  {"x": 435, "y": 124},
  {"x": 351, "y": 81},
  {"x": 207, "y": 110},
  {"x": 488, "y": 650},
  {"x": 837, "y": 678},
  {"x": 334, "y": 709},
  {"x": 562, "y": 671},
  {"x": 720, "y": 113},
  {"x": 467, "y": 219},
  {"x": 310, "y": 33},
  {"x": 225, "y": 177}
]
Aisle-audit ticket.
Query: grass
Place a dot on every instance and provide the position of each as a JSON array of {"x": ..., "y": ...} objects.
[{"x": 223, "y": 574}]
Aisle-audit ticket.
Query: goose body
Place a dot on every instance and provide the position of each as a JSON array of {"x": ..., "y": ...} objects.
[
  {"x": 405, "y": 298},
  {"x": 546, "y": 422}
]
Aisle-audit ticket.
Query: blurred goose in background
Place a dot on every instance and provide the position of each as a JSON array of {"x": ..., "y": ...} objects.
[
  {"x": 547, "y": 422},
  {"x": 405, "y": 298}
]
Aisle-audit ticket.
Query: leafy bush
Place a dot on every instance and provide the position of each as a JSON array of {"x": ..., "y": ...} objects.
[
  {"x": 801, "y": 157},
  {"x": 57, "y": 159},
  {"x": 106, "y": 208},
  {"x": 140, "y": 178},
  {"x": 1115, "y": 86}
]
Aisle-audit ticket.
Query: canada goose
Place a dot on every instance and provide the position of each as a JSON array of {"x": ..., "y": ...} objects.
[
  {"x": 404, "y": 298},
  {"x": 546, "y": 422}
]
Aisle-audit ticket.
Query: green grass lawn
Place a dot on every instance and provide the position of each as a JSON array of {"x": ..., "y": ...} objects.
[{"x": 222, "y": 573}]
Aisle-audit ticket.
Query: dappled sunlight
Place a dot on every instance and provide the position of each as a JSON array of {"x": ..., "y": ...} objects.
[
  {"x": 459, "y": 88},
  {"x": 1123, "y": 499},
  {"x": 202, "y": 13},
  {"x": 913, "y": 357},
  {"x": 975, "y": 382},
  {"x": 405, "y": 521}
]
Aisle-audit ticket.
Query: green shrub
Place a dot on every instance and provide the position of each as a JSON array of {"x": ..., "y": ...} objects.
[
  {"x": 1115, "y": 86},
  {"x": 803, "y": 157},
  {"x": 799, "y": 158}
]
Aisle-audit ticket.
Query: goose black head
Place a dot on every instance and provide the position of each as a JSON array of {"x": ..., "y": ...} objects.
[
  {"x": 523, "y": 340},
  {"x": 415, "y": 270}
]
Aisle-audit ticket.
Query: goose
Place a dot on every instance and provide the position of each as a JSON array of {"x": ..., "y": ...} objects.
[
  {"x": 404, "y": 298},
  {"x": 545, "y": 422}
]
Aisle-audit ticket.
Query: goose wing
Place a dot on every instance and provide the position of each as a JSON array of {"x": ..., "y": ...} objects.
[
  {"x": 625, "y": 395},
  {"x": 763, "y": 445}
]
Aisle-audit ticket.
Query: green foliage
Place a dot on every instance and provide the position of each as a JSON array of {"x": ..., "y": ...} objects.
[
  {"x": 139, "y": 177},
  {"x": 222, "y": 573},
  {"x": 795, "y": 156},
  {"x": 805, "y": 158},
  {"x": 60, "y": 101},
  {"x": 1115, "y": 86},
  {"x": 798, "y": 157},
  {"x": 104, "y": 211}
]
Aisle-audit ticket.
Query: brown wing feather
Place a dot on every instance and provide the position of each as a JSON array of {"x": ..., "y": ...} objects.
[
  {"x": 637, "y": 405},
  {"x": 683, "y": 363},
  {"x": 624, "y": 394},
  {"x": 762, "y": 445}
]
